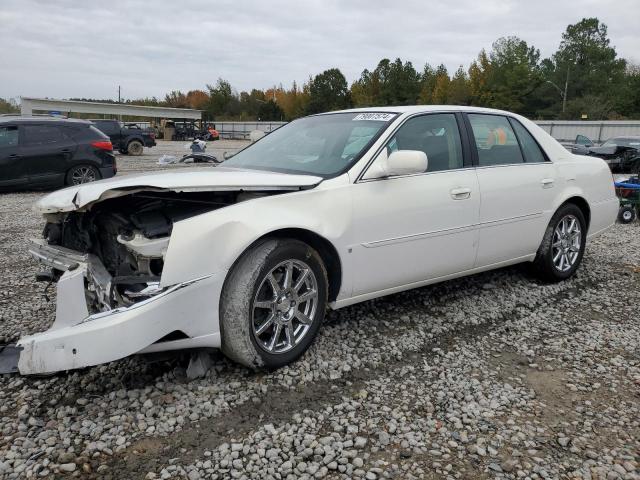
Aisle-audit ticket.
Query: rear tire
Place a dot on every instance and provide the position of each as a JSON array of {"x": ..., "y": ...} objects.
[
  {"x": 135, "y": 148},
  {"x": 265, "y": 320},
  {"x": 627, "y": 214},
  {"x": 563, "y": 244},
  {"x": 82, "y": 174}
]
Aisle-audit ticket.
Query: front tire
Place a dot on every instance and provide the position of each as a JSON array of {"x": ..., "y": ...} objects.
[
  {"x": 563, "y": 244},
  {"x": 273, "y": 303}
]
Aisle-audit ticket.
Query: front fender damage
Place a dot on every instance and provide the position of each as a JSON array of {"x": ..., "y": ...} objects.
[
  {"x": 78, "y": 339},
  {"x": 112, "y": 335}
]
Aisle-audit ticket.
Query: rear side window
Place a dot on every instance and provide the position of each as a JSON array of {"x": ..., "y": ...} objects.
[
  {"x": 8, "y": 136},
  {"x": 495, "y": 140},
  {"x": 530, "y": 148},
  {"x": 85, "y": 132},
  {"x": 42, "y": 134}
]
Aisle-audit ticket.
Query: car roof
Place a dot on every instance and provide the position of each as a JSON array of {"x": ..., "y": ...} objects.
[
  {"x": 424, "y": 108},
  {"x": 40, "y": 119}
]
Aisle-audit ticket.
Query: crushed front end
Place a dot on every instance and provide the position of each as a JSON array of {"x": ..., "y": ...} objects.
[{"x": 107, "y": 262}]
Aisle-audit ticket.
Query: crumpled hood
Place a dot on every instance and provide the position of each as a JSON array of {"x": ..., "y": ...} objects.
[{"x": 184, "y": 180}]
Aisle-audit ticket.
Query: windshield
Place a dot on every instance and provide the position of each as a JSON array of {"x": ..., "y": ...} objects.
[{"x": 322, "y": 145}]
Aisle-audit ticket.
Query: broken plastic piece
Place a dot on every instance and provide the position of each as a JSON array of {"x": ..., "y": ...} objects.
[
  {"x": 9, "y": 356},
  {"x": 199, "y": 365}
]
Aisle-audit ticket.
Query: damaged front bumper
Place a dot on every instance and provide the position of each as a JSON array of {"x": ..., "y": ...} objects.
[{"x": 77, "y": 339}]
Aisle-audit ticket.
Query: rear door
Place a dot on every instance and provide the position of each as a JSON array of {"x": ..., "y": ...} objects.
[
  {"x": 13, "y": 171},
  {"x": 516, "y": 188},
  {"x": 47, "y": 151}
]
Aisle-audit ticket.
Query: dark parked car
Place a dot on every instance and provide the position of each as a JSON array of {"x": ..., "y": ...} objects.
[
  {"x": 44, "y": 152},
  {"x": 622, "y": 154},
  {"x": 127, "y": 140}
]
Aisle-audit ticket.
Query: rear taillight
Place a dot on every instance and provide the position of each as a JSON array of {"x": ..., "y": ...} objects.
[
  {"x": 152, "y": 135},
  {"x": 102, "y": 145}
]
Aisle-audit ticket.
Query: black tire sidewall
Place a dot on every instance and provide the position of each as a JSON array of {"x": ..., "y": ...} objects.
[
  {"x": 626, "y": 208},
  {"x": 134, "y": 143},
  {"x": 544, "y": 258},
  {"x": 291, "y": 250}
]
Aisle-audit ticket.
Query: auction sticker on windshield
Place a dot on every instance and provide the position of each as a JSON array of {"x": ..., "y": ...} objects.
[{"x": 381, "y": 117}]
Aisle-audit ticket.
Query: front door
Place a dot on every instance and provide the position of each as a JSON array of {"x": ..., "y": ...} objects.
[
  {"x": 412, "y": 228},
  {"x": 13, "y": 171}
]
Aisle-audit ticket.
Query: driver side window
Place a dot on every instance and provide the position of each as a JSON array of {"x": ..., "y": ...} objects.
[{"x": 437, "y": 135}]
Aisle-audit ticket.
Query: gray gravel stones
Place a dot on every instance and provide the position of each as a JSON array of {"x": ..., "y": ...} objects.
[{"x": 493, "y": 376}]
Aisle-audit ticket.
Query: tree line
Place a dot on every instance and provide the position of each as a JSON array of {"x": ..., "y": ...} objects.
[{"x": 584, "y": 78}]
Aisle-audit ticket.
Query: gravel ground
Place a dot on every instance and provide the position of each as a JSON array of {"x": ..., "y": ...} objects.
[{"x": 491, "y": 376}]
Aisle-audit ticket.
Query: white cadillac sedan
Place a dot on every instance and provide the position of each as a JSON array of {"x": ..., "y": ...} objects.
[{"x": 326, "y": 211}]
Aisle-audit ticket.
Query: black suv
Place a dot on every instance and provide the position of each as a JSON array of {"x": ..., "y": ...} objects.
[{"x": 45, "y": 152}]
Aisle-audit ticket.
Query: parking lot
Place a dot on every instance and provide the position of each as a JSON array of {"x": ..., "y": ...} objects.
[{"x": 490, "y": 376}]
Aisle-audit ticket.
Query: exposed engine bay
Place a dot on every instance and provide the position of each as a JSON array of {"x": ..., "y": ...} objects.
[{"x": 130, "y": 235}]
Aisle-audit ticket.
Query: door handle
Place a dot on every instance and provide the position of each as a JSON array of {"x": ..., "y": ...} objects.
[
  {"x": 460, "y": 193},
  {"x": 547, "y": 182},
  {"x": 14, "y": 155}
]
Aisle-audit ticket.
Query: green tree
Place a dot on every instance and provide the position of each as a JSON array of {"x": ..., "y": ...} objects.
[
  {"x": 328, "y": 91},
  {"x": 514, "y": 75},
  {"x": 479, "y": 79},
  {"x": 459, "y": 88},
  {"x": 441, "y": 86},
  {"x": 586, "y": 64},
  {"x": 427, "y": 85},
  {"x": 391, "y": 83},
  {"x": 222, "y": 101},
  {"x": 270, "y": 111},
  {"x": 176, "y": 99},
  {"x": 8, "y": 106}
]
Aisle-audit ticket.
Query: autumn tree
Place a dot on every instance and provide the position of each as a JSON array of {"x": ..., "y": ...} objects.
[{"x": 197, "y": 99}]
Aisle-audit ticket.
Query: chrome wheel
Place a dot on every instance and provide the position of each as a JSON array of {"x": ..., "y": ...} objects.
[
  {"x": 627, "y": 215},
  {"x": 83, "y": 175},
  {"x": 566, "y": 244},
  {"x": 284, "y": 306}
]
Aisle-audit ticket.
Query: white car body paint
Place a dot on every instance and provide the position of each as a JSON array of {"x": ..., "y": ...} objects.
[
  {"x": 390, "y": 234},
  {"x": 202, "y": 179}
]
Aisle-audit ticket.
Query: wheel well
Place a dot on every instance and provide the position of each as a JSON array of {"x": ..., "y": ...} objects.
[
  {"x": 131, "y": 140},
  {"x": 325, "y": 249},
  {"x": 582, "y": 204}
]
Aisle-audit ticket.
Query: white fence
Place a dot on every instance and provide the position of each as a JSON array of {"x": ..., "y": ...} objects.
[
  {"x": 598, "y": 131},
  {"x": 562, "y": 130},
  {"x": 241, "y": 130}
]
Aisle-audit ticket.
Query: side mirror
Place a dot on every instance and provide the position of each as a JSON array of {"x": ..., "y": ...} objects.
[
  {"x": 400, "y": 162},
  {"x": 406, "y": 162}
]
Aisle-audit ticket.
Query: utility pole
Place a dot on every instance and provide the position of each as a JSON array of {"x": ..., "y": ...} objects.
[
  {"x": 118, "y": 93},
  {"x": 566, "y": 87}
]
